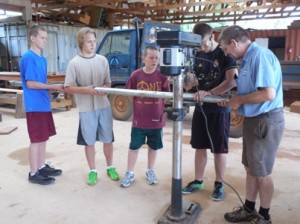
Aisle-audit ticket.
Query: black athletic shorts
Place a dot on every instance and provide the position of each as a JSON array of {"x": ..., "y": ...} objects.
[{"x": 217, "y": 124}]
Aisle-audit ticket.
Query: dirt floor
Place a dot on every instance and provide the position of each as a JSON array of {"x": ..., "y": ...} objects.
[{"x": 71, "y": 201}]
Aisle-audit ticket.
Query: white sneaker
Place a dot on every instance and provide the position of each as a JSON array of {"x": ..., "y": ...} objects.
[
  {"x": 127, "y": 180},
  {"x": 151, "y": 177}
]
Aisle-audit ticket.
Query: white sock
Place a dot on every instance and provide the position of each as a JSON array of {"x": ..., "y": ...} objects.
[
  {"x": 93, "y": 170},
  {"x": 42, "y": 166}
]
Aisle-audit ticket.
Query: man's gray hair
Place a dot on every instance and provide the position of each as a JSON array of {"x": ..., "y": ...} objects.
[{"x": 234, "y": 32}]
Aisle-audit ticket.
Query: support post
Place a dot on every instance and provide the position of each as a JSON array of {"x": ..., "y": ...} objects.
[
  {"x": 179, "y": 211},
  {"x": 176, "y": 199}
]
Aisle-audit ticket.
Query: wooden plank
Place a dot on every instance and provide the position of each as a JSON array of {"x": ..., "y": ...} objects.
[
  {"x": 14, "y": 99},
  {"x": 7, "y": 130},
  {"x": 62, "y": 103},
  {"x": 295, "y": 107},
  {"x": 11, "y": 90},
  {"x": 292, "y": 84},
  {"x": 8, "y": 98},
  {"x": 16, "y": 76},
  {"x": 19, "y": 110}
]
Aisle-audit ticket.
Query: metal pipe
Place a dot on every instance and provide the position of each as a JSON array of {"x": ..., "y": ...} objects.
[
  {"x": 176, "y": 197},
  {"x": 177, "y": 127},
  {"x": 159, "y": 94}
]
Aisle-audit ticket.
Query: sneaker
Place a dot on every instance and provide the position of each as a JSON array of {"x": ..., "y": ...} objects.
[
  {"x": 50, "y": 170},
  {"x": 261, "y": 220},
  {"x": 39, "y": 178},
  {"x": 240, "y": 214},
  {"x": 218, "y": 193},
  {"x": 112, "y": 173},
  {"x": 127, "y": 180},
  {"x": 92, "y": 178},
  {"x": 192, "y": 186},
  {"x": 151, "y": 177}
]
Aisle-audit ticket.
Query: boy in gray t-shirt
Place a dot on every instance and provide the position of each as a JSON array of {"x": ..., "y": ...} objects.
[{"x": 84, "y": 72}]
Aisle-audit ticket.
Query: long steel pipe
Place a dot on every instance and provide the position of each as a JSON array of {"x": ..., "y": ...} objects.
[{"x": 158, "y": 94}]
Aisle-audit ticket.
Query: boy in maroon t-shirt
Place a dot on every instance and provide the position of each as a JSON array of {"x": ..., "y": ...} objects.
[{"x": 148, "y": 116}]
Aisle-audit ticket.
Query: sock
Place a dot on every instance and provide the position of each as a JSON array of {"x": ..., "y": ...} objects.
[
  {"x": 108, "y": 167},
  {"x": 264, "y": 212},
  {"x": 130, "y": 172},
  {"x": 249, "y": 205},
  {"x": 32, "y": 174},
  {"x": 218, "y": 183},
  {"x": 93, "y": 170},
  {"x": 42, "y": 166}
]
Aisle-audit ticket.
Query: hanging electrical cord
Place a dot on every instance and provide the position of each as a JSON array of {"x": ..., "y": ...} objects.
[{"x": 209, "y": 136}]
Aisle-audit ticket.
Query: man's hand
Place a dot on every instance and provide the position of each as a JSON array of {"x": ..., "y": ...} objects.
[
  {"x": 199, "y": 96},
  {"x": 233, "y": 102}
]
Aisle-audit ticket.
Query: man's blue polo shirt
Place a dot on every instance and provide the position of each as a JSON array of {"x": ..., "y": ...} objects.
[{"x": 259, "y": 68}]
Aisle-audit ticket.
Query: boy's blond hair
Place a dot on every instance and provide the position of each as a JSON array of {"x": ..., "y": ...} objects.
[{"x": 82, "y": 32}]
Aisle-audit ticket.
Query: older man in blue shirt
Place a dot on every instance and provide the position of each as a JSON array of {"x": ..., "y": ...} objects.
[{"x": 260, "y": 100}]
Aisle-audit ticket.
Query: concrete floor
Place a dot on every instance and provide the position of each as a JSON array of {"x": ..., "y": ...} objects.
[{"x": 71, "y": 201}]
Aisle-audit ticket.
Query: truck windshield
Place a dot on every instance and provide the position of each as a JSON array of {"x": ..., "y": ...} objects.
[{"x": 117, "y": 43}]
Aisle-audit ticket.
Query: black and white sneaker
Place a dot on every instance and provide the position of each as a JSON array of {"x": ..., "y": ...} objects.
[
  {"x": 50, "y": 171},
  {"x": 39, "y": 178}
]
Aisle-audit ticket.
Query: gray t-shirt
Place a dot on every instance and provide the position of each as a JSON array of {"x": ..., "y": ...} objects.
[{"x": 82, "y": 71}]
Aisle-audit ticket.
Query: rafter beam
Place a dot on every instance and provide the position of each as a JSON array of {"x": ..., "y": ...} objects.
[{"x": 185, "y": 11}]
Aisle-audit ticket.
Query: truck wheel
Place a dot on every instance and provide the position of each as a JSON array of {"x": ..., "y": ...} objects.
[
  {"x": 121, "y": 107},
  {"x": 236, "y": 125}
]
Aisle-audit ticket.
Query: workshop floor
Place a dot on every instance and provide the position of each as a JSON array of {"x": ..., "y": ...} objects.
[{"x": 71, "y": 201}]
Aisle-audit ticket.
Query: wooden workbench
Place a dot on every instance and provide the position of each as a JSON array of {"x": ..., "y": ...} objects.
[
  {"x": 16, "y": 76},
  {"x": 7, "y": 97}
]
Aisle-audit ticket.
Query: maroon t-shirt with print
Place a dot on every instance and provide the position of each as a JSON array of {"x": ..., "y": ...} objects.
[{"x": 148, "y": 112}]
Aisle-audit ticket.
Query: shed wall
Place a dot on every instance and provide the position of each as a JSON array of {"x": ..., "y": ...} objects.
[
  {"x": 61, "y": 47},
  {"x": 292, "y": 43}
]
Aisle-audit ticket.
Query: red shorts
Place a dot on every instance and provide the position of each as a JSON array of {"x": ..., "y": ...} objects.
[{"x": 40, "y": 126}]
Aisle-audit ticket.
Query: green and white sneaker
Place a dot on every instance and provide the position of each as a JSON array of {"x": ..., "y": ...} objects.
[
  {"x": 92, "y": 178},
  {"x": 192, "y": 187},
  {"x": 218, "y": 193},
  {"x": 112, "y": 173}
]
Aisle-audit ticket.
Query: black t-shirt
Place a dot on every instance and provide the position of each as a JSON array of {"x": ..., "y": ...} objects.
[{"x": 210, "y": 69}]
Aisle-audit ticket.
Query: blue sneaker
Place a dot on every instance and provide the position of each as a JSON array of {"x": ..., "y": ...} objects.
[{"x": 218, "y": 193}]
